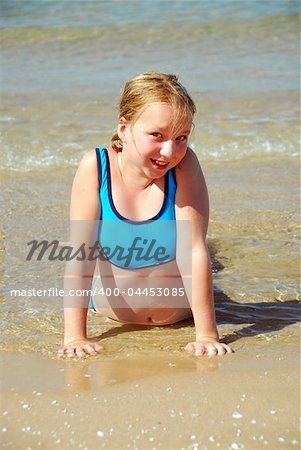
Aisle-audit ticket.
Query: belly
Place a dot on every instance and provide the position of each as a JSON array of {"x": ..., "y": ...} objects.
[
  {"x": 150, "y": 296},
  {"x": 147, "y": 316}
]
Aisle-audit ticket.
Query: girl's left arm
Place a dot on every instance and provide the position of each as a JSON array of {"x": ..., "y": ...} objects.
[{"x": 192, "y": 205}]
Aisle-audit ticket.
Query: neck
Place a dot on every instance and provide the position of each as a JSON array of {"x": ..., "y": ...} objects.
[{"x": 130, "y": 176}]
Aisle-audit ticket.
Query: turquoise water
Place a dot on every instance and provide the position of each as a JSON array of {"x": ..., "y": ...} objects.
[
  {"x": 89, "y": 13},
  {"x": 91, "y": 47},
  {"x": 64, "y": 64}
]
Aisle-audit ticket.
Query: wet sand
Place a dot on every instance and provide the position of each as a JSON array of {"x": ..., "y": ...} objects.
[
  {"x": 145, "y": 391},
  {"x": 246, "y": 400}
]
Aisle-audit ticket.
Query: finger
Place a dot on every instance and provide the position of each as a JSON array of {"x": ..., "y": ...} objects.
[
  {"x": 98, "y": 348},
  {"x": 90, "y": 350},
  {"x": 227, "y": 348},
  {"x": 61, "y": 352},
  {"x": 211, "y": 350},
  {"x": 70, "y": 352},
  {"x": 220, "y": 349},
  {"x": 200, "y": 350},
  {"x": 189, "y": 347},
  {"x": 80, "y": 352}
]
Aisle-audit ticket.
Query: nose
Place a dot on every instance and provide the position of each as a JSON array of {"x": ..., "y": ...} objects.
[{"x": 167, "y": 149}]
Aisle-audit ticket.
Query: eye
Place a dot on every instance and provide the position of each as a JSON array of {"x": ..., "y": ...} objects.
[
  {"x": 156, "y": 135},
  {"x": 182, "y": 138}
]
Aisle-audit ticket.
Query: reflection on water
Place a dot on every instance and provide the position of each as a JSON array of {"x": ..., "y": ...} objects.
[{"x": 32, "y": 373}]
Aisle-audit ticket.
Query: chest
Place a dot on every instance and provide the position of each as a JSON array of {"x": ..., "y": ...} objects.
[{"x": 138, "y": 205}]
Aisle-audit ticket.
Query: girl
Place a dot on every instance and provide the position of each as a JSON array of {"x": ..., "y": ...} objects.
[{"x": 147, "y": 190}]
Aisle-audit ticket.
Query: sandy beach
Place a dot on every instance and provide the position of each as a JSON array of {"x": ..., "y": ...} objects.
[{"x": 156, "y": 401}]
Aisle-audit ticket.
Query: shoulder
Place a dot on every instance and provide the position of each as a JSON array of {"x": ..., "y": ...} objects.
[
  {"x": 87, "y": 168},
  {"x": 88, "y": 161},
  {"x": 192, "y": 201},
  {"x": 190, "y": 161},
  {"x": 84, "y": 195},
  {"x": 189, "y": 173}
]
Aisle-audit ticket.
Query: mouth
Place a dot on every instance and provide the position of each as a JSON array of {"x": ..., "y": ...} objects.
[{"x": 161, "y": 165}]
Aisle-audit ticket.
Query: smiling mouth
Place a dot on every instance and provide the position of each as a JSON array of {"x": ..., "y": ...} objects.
[{"x": 159, "y": 164}]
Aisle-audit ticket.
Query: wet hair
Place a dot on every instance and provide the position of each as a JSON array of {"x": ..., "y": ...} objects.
[{"x": 153, "y": 87}]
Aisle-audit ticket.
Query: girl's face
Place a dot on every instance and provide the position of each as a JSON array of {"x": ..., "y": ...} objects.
[{"x": 154, "y": 143}]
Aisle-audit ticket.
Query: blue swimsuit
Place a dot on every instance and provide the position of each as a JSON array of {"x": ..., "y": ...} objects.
[
  {"x": 117, "y": 234},
  {"x": 135, "y": 244}
]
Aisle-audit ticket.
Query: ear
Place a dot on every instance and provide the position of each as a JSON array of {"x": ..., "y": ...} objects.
[{"x": 122, "y": 129}]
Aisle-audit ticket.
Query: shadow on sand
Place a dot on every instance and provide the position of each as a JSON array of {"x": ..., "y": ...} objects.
[{"x": 255, "y": 318}]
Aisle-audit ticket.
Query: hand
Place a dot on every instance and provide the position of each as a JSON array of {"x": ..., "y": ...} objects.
[
  {"x": 208, "y": 346},
  {"x": 80, "y": 348}
]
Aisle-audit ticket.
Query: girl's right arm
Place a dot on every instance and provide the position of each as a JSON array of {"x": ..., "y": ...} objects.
[{"x": 84, "y": 212}]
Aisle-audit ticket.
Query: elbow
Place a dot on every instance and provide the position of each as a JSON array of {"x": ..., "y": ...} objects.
[{"x": 200, "y": 250}]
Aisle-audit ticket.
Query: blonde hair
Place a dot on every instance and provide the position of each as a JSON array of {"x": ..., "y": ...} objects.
[{"x": 153, "y": 87}]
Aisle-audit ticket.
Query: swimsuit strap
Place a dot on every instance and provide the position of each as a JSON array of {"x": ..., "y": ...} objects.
[
  {"x": 108, "y": 209},
  {"x": 116, "y": 233}
]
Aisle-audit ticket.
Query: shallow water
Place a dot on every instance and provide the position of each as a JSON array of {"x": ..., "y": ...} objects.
[
  {"x": 253, "y": 238},
  {"x": 52, "y": 132}
]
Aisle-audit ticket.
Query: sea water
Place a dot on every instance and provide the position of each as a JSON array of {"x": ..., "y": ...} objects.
[{"x": 64, "y": 64}]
